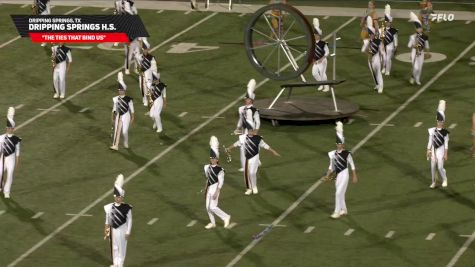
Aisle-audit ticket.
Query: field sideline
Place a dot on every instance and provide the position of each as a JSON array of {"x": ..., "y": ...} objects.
[{"x": 66, "y": 169}]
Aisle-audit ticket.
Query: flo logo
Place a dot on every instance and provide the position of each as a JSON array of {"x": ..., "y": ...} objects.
[{"x": 442, "y": 17}]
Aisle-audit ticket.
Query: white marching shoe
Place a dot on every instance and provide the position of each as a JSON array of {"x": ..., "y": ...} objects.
[
  {"x": 432, "y": 185},
  {"x": 126, "y": 145},
  {"x": 154, "y": 126},
  {"x": 7, "y": 195},
  {"x": 227, "y": 221},
  {"x": 320, "y": 88},
  {"x": 335, "y": 215},
  {"x": 386, "y": 73},
  {"x": 61, "y": 97},
  {"x": 248, "y": 192},
  {"x": 343, "y": 212},
  {"x": 55, "y": 96},
  {"x": 411, "y": 81},
  {"x": 241, "y": 169},
  {"x": 127, "y": 72},
  {"x": 326, "y": 88},
  {"x": 210, "y": 226},
  {"x": 383, "y": 70},
  {"x": 114, "y": 148},
  {"x": 418, "y": 83},
  {"x": 444, "y": 183},
  {"x": 380, "y": 90},
  {"x": 254, "y": 191}
]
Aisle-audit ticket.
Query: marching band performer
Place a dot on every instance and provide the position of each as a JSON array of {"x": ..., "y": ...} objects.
[
  {"x": 249, "y": 118},
  {"x": 374, "y": 47},
  {"x": 340, "y": 159},
  {"x": 158, "y": 94},
  {"x": 370, "y": 12},
  {"x": 125, "y": 7},
  {"x": 252, "y": 144},
  {"x": 438, "y": 146},
  {"x": 122, "y": 114},
  {"x": 9, "y": 154},
  {"x": 390, "y": 40},
  {"x": 214, "y": 182},
  {"x": 41, "y": 7},
  {"x": 148, "y": 68},
  {"x": 319, "y": 69},
  {"x": 62, "y": 58},
  {"x": 131, "y": 50},
  {"x": 418, "y": 42},
  {"x": 425, "y": 11},
  {"x": 118, "y": 223}
]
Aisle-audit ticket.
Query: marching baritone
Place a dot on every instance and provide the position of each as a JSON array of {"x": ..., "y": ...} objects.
[
  {"x": 122, "y": 114},
  {"x": 9, "y": 154},
  {"x": 158, "y": 99},
  {"x": 340, "y": 160},
  {"x": 118, "y": 225},
  {"x": 320, "y": 55},
  {"x": 374, "y": 47},
  {"x": 148, "y": 67},
  {"x": 390, "y": 40},
  {"x": 214, "y": 182},
  {"x": 418, "y": 42}
]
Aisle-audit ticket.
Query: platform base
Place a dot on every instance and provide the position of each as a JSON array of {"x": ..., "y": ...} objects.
[{"x": 305, "y": 108}]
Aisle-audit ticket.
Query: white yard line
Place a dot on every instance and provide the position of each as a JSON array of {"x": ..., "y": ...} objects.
[
  {"x": 160, "y": 11},
  {"x": 19, "y": 106},
  {"x": 75, "y": 214},
  {"x": 207, "y": 117},
  {"x": 188, "y": 12},
  {"x": 190, "y": 224},
  {"x": 2, "y": 212},
  {"x": 390, "y": 234},
  {"x": 326, "y": 17},
  {"x": 183, "y": 114},
  {"x": 138, "y": 171},
  {"x": 114, "y": 72},
  {"x": 37, "y": 215},
  {"x": 349, "y": 232},
  {"x": 84, "y": 109},
  {"x": 430, "y": 236},
  {"x": 309, "y": 229},
  {"x": 72, "y": 10},
  {"x": 453, "y": 125},
  {"x": 152, "y": 221},
  {"x": 25, "y": 5},
  {"x": 43, "y": 109},
  {"x": 313, "y": 187},
  {"x": 377, "y": 124},
  {"x": 417, "y": 124},
  {"x": 460, "y": 252},
  {"x": 9, "y": 42},
  {"x": 275, "y": 225},
  {"x": 468, "y": 22},
  {"x": 242, "y": 14},
  {"x": 105, "y": 9}
]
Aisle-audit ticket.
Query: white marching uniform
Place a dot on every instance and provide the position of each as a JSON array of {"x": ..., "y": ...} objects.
[
  {"x": 119, "y": 218},
  {"x": 251, "y": 145},
  {"x": 125, "y": 7},
  {"x": 417, "y": 59},
  {"x": 148, "y": 66},
  {"x": 44, "y": 7},
  {"x": 131, "y": 51},
  {"x": 62, "y": 56},
  {"x": 438, "y": 144},
  {"x": 158, "y": 93},
  {"x": 390, "y": 46},
  {"x": 123, "y": 107},
  {"x": 249, "y": 119},
  {"x": 374, "y": 48},
  {"x": 319, "y": 68},
  {"x": 9, "y": 153},
  {"x": 215, "y": 176},
  {"x": 339, "y": 162}
]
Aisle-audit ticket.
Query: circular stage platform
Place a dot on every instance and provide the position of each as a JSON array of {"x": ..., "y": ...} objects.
[{"x": 305, "y": 108}]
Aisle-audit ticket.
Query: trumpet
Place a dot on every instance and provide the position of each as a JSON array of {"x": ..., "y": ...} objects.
[
  {"x": 228, "y": 155},
  {"x": 329, "y": 177}
]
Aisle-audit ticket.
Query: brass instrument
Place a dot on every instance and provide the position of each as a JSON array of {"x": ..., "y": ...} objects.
[
  {"x": 329, "y": 177},
  {"x": 53, "y": 58},
  {"x": 34, "y": 8},
  {"x": 418, "y": 49},
  {"x": 383, "y": 32},
  {"x": 148, "y": 94},
  {"x": 228, "y": 155}
]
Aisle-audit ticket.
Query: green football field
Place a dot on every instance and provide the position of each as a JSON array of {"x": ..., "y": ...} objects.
[{"x": 55, "y": 216}]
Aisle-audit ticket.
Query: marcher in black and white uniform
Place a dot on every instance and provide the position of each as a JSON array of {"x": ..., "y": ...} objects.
[
  {"x": 249, "y": 118},
  {"x": 9, "y": 154},
  {"x": 437, "y": 147},
  {"x": 131, "y": 51},
  {"x": 118, "y": 225},
  {"x": 252, "y": 144},
  {"x": 340, "y": 160},
  {"x": 418, "y": 42},
  {"x": 390, "y": 40},
  {"x": 125, "y": 7},
  {"x": 319, "y": 69},
  {"x": 62, "y": 58},
  {"x": 214, "y": 182},
  {"x": 43, "y": 7},
  {"x": 158, "y": 91},
  {"x": 374, "y": 47},
  {"x": 122, "y": 114},
  {"x": 148, "y": 68}
]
